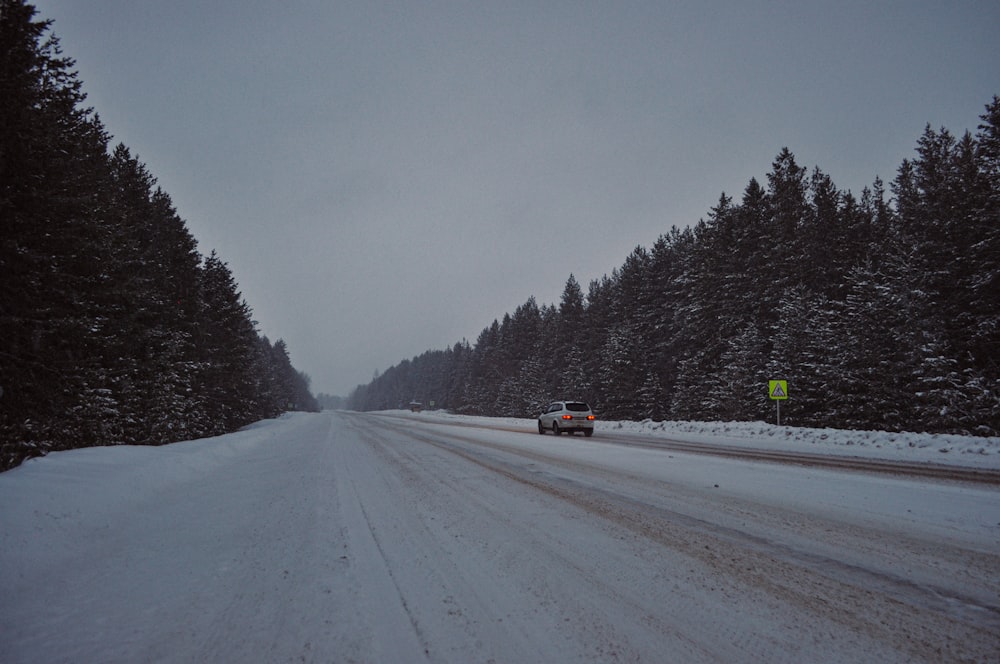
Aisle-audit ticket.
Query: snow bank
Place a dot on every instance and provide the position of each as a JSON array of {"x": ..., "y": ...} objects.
[{"x": 948, "y": 449}]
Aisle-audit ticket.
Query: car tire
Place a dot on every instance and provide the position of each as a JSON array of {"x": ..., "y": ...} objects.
[
  {"x": 588, "y": 432},
  {"x": 541, "y": 429},
  {"x": 555, "y": 429}
]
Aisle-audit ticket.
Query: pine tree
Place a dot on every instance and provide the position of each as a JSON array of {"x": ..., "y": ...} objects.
[
  {"x": 571, "y": 316},
  {"x": 152, "y": 306},
  {"x": 227, "y": 343},
  {"x": 53, "y": 246},
  {"x": 113, "y": 331},
  {"x": 881, "y": 313}
]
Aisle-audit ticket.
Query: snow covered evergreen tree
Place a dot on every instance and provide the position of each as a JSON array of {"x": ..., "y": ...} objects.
[
  {"x": 53, "y": 247},
  {"x": 881, "y": 314}
]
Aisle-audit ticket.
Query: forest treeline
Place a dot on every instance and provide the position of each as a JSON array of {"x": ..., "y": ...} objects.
[
  {"x": 881, "y": 311},
  {"x": 113, "y": 328}
]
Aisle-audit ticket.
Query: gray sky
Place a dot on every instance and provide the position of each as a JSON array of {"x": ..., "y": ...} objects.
[{"x": 388, "y": 178}]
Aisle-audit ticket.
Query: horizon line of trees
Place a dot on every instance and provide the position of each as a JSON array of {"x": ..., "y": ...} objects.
[
  {"x": 330, "y": 401},
  {"x": 882, "y": 312},
  {"x": 115, "y": 330}
]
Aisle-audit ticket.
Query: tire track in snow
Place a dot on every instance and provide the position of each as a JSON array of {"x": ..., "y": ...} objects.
[
  {"x": 395, "y": 634},
  {"x": 455, "y": 606},
  {"x": 616, "y": 598},
  {"x": 927, "y": 621},
  {"x": 859, "y": 464}
]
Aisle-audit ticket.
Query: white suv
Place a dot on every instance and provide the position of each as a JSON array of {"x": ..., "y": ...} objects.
[{"x": 568, "y": 416}]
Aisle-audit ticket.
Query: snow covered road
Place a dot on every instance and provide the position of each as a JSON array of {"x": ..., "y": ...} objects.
[{"x": 346, "y": 537}]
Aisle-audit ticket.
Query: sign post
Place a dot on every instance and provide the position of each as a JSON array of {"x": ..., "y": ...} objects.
[{"x": 778, "y": 391}]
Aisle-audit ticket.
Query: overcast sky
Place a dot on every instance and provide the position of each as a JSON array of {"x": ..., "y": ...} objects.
[{"x": 387, "y": 178}]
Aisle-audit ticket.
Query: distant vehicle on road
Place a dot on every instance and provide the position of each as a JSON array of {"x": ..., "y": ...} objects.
[{"x": 568, "y": 417}]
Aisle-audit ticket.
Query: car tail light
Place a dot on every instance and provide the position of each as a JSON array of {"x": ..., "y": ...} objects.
[
  {"x": 590, "y": 417},
  {"x": 567, "y": 417}
]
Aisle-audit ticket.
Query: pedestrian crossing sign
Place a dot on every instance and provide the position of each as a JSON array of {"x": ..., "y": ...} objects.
[{"x": 777, "y": 389}]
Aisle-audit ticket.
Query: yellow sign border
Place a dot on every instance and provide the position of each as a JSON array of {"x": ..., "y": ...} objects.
[{"x": 774, "y": 385}]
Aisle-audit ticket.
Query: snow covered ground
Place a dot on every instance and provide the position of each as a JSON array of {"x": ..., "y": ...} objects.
[
  {"x": 947, "y": 449},
  {"x": 399, "y": 537}
]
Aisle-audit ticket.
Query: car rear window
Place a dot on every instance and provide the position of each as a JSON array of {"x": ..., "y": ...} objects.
[{"x": 577, "y": 406}]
